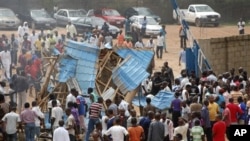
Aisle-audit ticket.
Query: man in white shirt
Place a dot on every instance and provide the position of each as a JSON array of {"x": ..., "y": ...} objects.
[
  {"x": 241, "y": 26},
  {"x": 40, "y": 116},
  {"x": 6, "y": 61},
  {"x": 70, "y": 28},
  {"x": 56, "y": 115},
  {"x": 182, "y": 59},
  {"x": 12, "y": 119},
  {"x": 150, "y": 44},
  {"x": 61, "y": 134},
  {"x": 169, "y": 127},
  {"x": 160, "y": 43},
  {"x": 117, "y": 131},
  {"x": 32, "y": 38},
  {"x": 181, "y": 129},
  {"x": 70, "y": 125},
  {"x": 71, "y": 97},
  {"x": 139, "y": 44},
  {"x": 123, "y": 105}
]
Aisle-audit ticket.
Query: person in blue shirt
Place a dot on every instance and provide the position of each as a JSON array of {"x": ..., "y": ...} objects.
[
  {"x": 80, "y": 101},
  {"x": 127, "y": 25},
  {"x": 145, "y": 122},
  {"x": 242, "y": 118},
  {"x": 144, "y": 26},
  {"x": 220, "y": 98}
]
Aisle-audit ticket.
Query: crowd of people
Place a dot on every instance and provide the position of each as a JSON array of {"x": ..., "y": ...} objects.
[{"x": 203, "y": 109}]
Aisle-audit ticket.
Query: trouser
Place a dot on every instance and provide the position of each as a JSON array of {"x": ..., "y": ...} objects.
[
  {"x": 37, "y": 131},
  {"x": 6, "y": 70},
  {"x": 143, "y": 30},
  {"x": 11, "y": 137},
  {"x": 82, "y": 123},
  {"x": 208, "y": 133},
  {"x": 242, "y": 31},
  {"x": 91, "y": 125},
  {"x": 30, "y": 132},
  {"x": 14, "y": 57},
  {"x": 175, "y": 116},
  {"x": 159, "y": 50},
  {"x": 21, "y": 96},
  {"x": 72, "y": 137},
  {"x": 183, "y": 41},
  {"x": 228, "y": 133}
]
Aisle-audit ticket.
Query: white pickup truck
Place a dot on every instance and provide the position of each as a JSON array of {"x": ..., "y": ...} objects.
[{"x": 199, "y": 14}]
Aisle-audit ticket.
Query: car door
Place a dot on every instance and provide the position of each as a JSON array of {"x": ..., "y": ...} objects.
[
  {"x": 191, "y": 14},
  {"x": 58, "y": 16},
  {"x": 65, "y": 17}
]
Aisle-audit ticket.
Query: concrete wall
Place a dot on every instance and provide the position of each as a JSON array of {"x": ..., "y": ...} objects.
[{"x": 226, "y": 53}]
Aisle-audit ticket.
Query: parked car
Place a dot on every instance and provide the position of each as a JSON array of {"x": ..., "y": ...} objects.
[
  {"x": 8, "y": 19},
  {"x": 141, "y": 11},
  {"x": 112, "y": 16},
  {"x": 153, "y": 27},
  {"x": 38, "y": 18},
  {"x": 63, "y": 16},
  {"x": 200, "y": 15},
  {"x": 84, "y": 24}
]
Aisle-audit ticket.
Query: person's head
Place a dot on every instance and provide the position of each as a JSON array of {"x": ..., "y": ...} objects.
[
  {"x": 133, "y": 121},
  {"x": 231, "y": 100},
  {"x": 110, "y": 112},
  {"x": 197, "y": 122},
  {"x": 73, "y": 90},
  {"x": 117, "y": 121},
  {"x": 52, "y": 97},
  {"x": 61, "y": 123},
  {"x": 163, "y": 115},
  {"x": 157, "y": 116},
  {"x": 165, "y": 64},
  {"x": 145, "y": 18},
  {"x": 69, "y": 23},
  {"x": 177, "y": 81},
  {"x": 180, "y": 121},
  {"x": 178, "y": 137},
  {"x": 70, "y": 104},
  {"x": 26, "y": 105},
  {"x": 100, "y": 100},
  {"x": 176, "y": 95},
  {"x": 223, "y": 105},
  {"x": 122, "y": 112},
  {"x": 148, "y": 100},
  {"x": 108, "y": 102},
  {"x": 240, "y": 99},
  {"x": 54, "y": 103},
  {"x": 34, "y": 104},
  {"x": 133, "y": 113},
  {"x": 56, "y": 33},
  {"x": 184, "y": 103},
  {"x": 206, "y": 103},
  {"x": 211, "y": 98},
  {"x": 12, "y": 36},
  {"x": 2, "y": 99},
  {"x": 98, "y": 125},
  {"x": 68, "y": 111},
  {"x": 90, "y": 90},
  {"x": 151, "y": 114},
  {"x": 218, "y": 117}
]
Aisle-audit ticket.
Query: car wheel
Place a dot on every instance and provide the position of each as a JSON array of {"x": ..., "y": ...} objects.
[
  {"x": 198, "y": 22},
  {"x": 216, "y": 24}
]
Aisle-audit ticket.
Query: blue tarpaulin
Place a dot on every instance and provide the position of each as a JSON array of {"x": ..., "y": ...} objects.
[{"x": 162, "y": 100}]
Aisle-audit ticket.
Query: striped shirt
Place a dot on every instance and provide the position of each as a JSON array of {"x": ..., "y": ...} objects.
[
  {"x": 95, "y": 110},
  {"x": 197, "y": 133}
]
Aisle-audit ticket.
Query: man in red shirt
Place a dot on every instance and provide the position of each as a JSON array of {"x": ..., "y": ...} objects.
[
  {"x": 234, "y": 110},
  {"x": 226, "y": 117},
  {"x": 219, "y": 129}
]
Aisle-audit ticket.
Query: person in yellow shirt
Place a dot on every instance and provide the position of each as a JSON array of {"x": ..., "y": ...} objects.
[
  {"x": 213, "y": 109},
  {"x": 38, "y": 45}
]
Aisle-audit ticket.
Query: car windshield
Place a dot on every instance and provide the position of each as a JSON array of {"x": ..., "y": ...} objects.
[
  {"x": 40, "y": 13},
  {"x": 76, "y": 13},
  {"x": 6, "y": 13},
  {"x": 111, "y": 12},
  {"x": 150, "y": 21},
  {"x": 144, "y": 11},
  {"x": 204, "y": 8}
]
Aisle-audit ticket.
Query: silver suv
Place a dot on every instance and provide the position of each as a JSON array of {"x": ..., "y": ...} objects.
[{"x": 8, "y": 19}]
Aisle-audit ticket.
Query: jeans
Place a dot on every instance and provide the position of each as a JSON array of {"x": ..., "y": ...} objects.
[
  {"x": 37, "y": 131},
  {"x": 159, "y": 50},
  {"x": 14, "y": 57},
  {"x": 175, "y": 117},
  {"x": 91, "y": 126},
  {"x": 30, "y": 131},
  {"x": 72, "y": 137},
  {"x": 12, "y": 137}
]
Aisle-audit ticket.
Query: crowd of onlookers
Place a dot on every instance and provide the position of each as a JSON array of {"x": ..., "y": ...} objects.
[{"x": 203, "y": 107}]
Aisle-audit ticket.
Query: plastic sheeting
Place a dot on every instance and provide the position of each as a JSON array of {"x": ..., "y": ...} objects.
[{"x": 162, "y": 100}]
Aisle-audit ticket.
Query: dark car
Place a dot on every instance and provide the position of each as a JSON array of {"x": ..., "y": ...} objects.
[
  {"x": 38, "y": 18},
  {"x": 89, "y": 23},
  {"x": 144, "y": 11}
]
